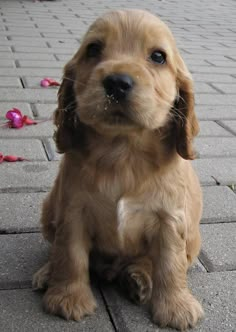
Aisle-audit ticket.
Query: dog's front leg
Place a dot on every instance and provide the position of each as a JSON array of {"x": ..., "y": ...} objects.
[
  {"x": 69, "y": 294},
  {"x": 172, "y": 303}
]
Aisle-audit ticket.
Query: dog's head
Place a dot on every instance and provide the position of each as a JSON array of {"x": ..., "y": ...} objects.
[{"x": 127, "y": 75}]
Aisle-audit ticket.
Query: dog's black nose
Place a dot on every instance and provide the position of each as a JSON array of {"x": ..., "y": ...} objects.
[{"x": 118, "y": 86}]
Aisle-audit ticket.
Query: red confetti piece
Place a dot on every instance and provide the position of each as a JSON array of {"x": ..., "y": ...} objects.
[
  {"x": 46, "y": 82},
  {"x": 10, "y": 158}
]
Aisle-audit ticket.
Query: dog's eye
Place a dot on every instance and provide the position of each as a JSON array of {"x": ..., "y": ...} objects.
[
  {"x": 94, "y": 50},
  {"x": 158, "y": 57}
]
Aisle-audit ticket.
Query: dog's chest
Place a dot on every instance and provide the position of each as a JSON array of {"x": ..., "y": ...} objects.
[{"x": 123, "y": 174}]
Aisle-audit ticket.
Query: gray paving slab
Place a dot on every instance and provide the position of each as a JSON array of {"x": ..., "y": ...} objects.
[
  {"x": 200, "y": 77},
  {"x": 33, "y": 49},
  {"x": 44, "y": 110},
  {"x": 52, "y": 150},
  {"x": 39, "y": 72},
  {"x": 229, "y": 125},
  {"x": 218, "y": 251},
  {"x": 44, "y": 129},
  {"x": 21, "y": 256},
  {"x": 29, "y": 149},
  {"x": 219, "y": 205},
  {"x": 216, "y": 147},
  {"x": 27, "y": 56},
  {"x": 28, "y": 95},
  {"x": 7, "y": 63},
  {"x": 215, "y": 112},
  {"x": 20, "y": 212},
  {"x": 224, "y": 100},
  {"x": 213, "y": 129},
  {"x": 216, "y": 291},
  {"x": 27, "y": 176},
  {"x": 226, "y": 88},
  {"x": 41, "y": 64},
  {"x": 4, "y": 48},
  {"x": 10, "y": 82},
  {"x": 63, "y": 57},
  {"x": 216, "y": 171},
  {"x": 21, "y": 310}
]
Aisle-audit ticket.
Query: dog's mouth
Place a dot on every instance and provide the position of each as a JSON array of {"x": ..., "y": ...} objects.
[{"x": 118, "y": 118}]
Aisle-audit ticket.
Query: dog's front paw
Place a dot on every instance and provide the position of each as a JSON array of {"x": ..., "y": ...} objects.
[
  {"x": 69, "y": 302},
  {"x": 137, "y": 284},
  {"x": 180, "y": 310}
]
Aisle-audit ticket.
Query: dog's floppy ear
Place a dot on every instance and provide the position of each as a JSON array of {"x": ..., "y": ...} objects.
[
  {"x": 68, "y": 126},
  {"x": 186, "y": 121}
]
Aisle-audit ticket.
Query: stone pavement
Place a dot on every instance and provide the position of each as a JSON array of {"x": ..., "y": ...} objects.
[{"x": 36, "y": 39}]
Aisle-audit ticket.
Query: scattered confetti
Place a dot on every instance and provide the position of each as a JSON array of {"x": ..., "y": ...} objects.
[
  {"x": 46, "y": 82},
  {"x": 17, "y": 120},
  {"x": 10, "y": 158}
]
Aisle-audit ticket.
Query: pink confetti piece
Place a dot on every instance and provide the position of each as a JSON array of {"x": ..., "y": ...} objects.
[{"x": 46, "y": 82}]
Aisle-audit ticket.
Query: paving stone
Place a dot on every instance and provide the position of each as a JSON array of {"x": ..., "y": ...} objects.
[
  {"x": 52, "y": 150},
  {"x": 20, "y": 212},
  {"x": 207, "y": 99},
  {"x": 21, "y": 310},
  {"x": 230, "y": 125},
  {"x": 210, "y": 78},
  {"x": 219, "y": 205},
  {"x": 214, "y": 70},
  {"x": 27, "y": 176},
  {"x": 34, "y": 82},
  {"x": 28, "y": 95},
  {"x": 215, "y": 112},
  {"x": 216, "y": 146},
  {"x": 7, "y": 63},
  {"x": 211, "y": 128},
  {"x": 27, "y": 56},
  {"x": 226, "y": 88},
  {"x": 44, "y": 110},
  {"x": 25, "y": 42},
  {"x": 41, "y": 130},
  {"x": 39, "y": 72},
  {"x": 10, "y": 82},
  {"x": 41, "y": 64},
  {"x": 6, "y": 106},
  {"x": 216, "y": 291},
  {"x": 4, "y": 48},
  {"x": 28, "y": 149},
  {"x": 216, "y": 171},
  {"x": 21, "y": 256},
  {"x": 63, "y": 43},
  {"x": 63, "y": 57},
  {"x": 200, "y": 87},
  {"x": 218, "y": 251},
  {"x": 25, "y": 32},
  {"x": 30, "y": 49},
  {"x": 47, "y": 50}
]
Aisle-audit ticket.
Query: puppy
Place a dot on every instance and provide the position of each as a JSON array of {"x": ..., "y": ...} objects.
[{"x": 126, "y": 200}]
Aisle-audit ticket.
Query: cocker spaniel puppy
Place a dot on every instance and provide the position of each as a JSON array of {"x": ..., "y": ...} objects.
[{"x": 126, "y": 201}]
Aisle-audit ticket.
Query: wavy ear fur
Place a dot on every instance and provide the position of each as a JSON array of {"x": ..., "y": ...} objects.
[
  {"x": 186, "y": 121},
  {"x": 68, "y": 127}
]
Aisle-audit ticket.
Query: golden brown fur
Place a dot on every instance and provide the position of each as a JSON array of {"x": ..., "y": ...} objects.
[{"x": 126, "y": 193}]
